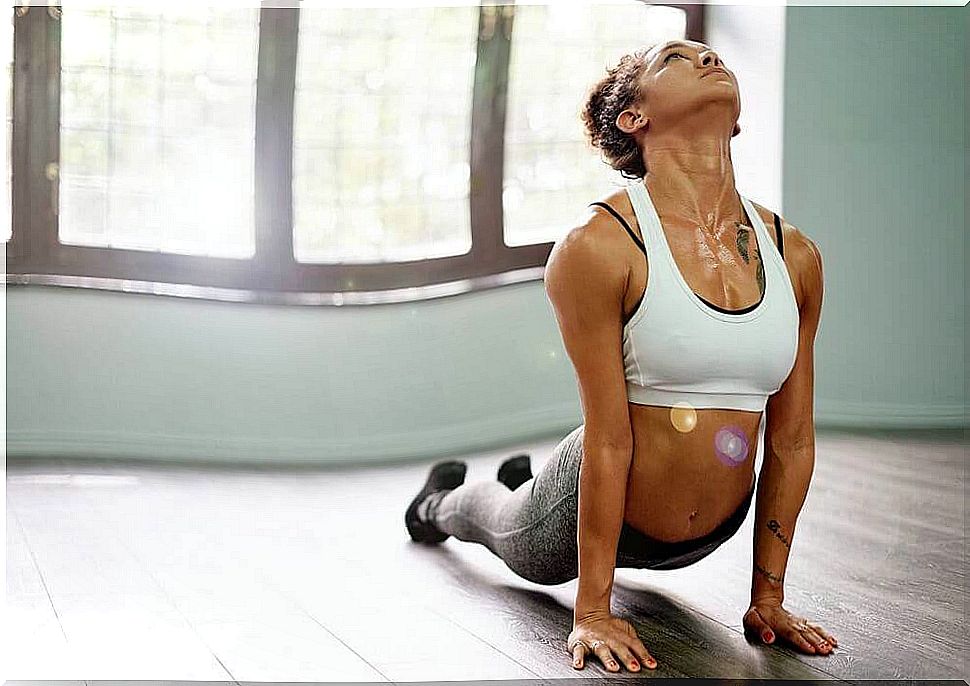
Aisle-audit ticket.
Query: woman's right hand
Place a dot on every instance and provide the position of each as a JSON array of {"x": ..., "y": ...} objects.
[{"x": 611, "y": 639}]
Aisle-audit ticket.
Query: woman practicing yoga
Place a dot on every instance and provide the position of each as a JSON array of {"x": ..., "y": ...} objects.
[{"x": 688, "y": 342}]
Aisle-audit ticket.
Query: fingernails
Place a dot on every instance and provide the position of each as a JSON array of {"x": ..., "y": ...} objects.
[
  {"x": 651, "y": 663},
  {"x": 769, "y": 637}
]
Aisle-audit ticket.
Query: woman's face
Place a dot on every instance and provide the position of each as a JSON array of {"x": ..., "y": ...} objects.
[{"x": 682, "y": 77}]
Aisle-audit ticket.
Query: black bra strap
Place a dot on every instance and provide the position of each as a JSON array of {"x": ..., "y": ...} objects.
[
  {"x": 626, "y": 226},
  {"x": 781, "y": 243},
  {"x": 636, "y": 239}
]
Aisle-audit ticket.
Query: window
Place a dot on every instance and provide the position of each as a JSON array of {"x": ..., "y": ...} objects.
[
  {"x": 549, "y": 166},
  {"x": 316, "y": 155},
  {"x": 381, "y": 134},
  {"x": 157, "y": 128}
]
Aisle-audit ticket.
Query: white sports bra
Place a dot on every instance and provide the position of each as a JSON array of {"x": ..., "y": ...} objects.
[{"x": 681, "y": 348}]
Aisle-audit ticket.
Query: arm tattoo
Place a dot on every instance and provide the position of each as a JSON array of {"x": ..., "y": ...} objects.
[
  {"x": 768, "y": 575},
  {"x": 774, "y": 526}
]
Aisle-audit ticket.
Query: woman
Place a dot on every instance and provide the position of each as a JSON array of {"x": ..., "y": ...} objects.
[{"x": 684, "y": 340}]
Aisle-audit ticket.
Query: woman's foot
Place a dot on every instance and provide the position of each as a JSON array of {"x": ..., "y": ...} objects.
[
  {"x": 446, "y": 475},
  {"x": 515, "y": 471}
]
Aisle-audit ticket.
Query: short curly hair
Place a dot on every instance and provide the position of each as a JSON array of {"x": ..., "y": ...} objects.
[{"x": 609, "y": 96}]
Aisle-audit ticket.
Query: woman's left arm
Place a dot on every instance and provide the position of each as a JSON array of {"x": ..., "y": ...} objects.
[{"x": 789, "y": 460}]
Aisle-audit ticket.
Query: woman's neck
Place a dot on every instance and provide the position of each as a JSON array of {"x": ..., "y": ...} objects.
[{"x": 694, "y": 182}]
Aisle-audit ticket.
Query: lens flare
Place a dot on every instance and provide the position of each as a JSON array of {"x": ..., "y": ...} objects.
[
  {"x": 683, "y": 417},
  {"x": 731, "y": 445}
]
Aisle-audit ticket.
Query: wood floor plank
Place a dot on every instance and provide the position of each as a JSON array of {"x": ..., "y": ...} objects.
[
  {"x": 117, "y": 624},
  {"x": 213, "y": 575},
  {"x": 34, "y": 643}
]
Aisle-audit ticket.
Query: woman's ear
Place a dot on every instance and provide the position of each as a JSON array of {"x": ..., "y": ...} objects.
[{"x": 737, "y": 130}]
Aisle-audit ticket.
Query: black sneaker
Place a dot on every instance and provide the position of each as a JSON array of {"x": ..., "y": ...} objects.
[
  {"x": 515, "y": 471},
  {"x": 446, "y": 475}
]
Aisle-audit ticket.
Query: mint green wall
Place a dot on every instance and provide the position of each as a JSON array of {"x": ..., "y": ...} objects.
[
  {"x": 873, "y": 171},
  {"x": 114, "y": 374}
]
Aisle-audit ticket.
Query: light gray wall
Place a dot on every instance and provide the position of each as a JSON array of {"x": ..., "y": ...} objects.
[{"x": 874, "y": 153}]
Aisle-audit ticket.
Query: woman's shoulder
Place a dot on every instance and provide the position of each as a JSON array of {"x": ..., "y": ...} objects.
[
  {"x": 603, "y": 222},
  {"x": 791, "y": 234},
  {"x": 800, "y": 252}
]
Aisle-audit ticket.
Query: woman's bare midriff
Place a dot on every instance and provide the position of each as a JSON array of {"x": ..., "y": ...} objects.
[{"x": 677, "y": 488}]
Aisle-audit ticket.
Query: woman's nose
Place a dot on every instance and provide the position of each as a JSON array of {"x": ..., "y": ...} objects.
[{"x": 710, "y": 59}]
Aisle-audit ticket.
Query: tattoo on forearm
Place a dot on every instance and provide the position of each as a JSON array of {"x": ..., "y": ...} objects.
[
  {"x": 774, "y": 526},
  {"x": 768, "y": 575}
]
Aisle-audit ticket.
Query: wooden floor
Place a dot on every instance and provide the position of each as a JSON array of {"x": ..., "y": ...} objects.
[{"x": 201, "y": 573}]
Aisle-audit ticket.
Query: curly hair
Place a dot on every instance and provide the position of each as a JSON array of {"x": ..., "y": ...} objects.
[{"x": 609, "y": 96}]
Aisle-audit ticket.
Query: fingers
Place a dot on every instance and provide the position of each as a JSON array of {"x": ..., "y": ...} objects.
[
  {"x": 804, "y": 635},
  {"x": 642, "y": 655},
  {"x": 795, "y": 636},
  {"x": 820, "y": 644},
  {"x": 621, "y": 646},
  {"x": 823, "y": 633},
  {"x": 635, "y": 645},
  {"x": 627, "y": 657},
  {"x": 579, "y": 655},
  {"x": 605, "y": 655},
  {"x": 761, "y": 626},
  {"x": 807, "y": 630}
]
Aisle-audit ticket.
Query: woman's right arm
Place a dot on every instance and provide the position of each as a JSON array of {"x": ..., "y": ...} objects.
[{"x": 585, "y": 283}]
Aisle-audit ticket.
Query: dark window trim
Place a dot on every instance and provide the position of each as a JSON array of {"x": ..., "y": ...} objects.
[{"x": 35, "y": 256}]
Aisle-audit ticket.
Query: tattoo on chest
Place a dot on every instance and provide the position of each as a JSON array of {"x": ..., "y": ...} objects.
[
  {"x": 744, "y": 237},
  {"x": 775, "y": 527}
]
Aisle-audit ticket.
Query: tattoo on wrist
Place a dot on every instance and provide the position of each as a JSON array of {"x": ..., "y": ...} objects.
[
  {"x": 768, "y": 575},
  {"x": 774, "y": 526}
]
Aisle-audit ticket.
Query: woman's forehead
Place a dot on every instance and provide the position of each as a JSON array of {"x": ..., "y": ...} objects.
[{"x": 659, "y": 48}]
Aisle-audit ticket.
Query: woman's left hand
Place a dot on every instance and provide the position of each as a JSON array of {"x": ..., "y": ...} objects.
[{"x": 768, "y": 620}]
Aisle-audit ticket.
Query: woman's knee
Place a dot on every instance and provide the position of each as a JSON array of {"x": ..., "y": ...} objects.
[{"x": 546, "y": 574}]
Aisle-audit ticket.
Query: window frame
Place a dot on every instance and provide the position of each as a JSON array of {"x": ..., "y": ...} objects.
[{"x": 272, "y": 275}]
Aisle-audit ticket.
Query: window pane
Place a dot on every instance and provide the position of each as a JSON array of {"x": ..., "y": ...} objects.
[
  {"x": 8, "y": 150},
  {"x": 157, "y": 129},
  {"x": 381, "y": 133},
  {"x": 551, "y": 172}
]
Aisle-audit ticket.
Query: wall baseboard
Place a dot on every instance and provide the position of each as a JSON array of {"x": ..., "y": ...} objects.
[
  {"x": 469, "y": 437},
  {"x": 444, "y": 442},
  {"x": 872, "y": 415}
]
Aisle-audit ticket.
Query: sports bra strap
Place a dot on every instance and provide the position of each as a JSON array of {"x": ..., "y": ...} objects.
[
  {"x": 781, "y": 245},
  {"x": 626, "y": 226},
  {"x": 636, "y": 239}
]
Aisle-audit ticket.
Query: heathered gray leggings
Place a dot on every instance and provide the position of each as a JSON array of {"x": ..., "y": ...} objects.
[{"x": 533, "y": 528}]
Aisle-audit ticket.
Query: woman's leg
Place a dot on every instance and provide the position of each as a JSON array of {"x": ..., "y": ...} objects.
[{"x": 533, "y": 528}]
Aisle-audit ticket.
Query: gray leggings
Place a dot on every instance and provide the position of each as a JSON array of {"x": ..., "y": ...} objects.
[{"x": 533, "y": 528}]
